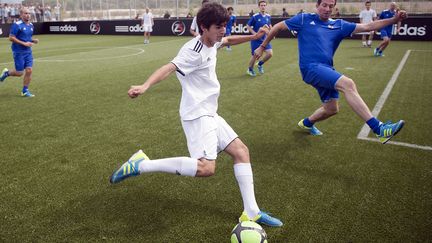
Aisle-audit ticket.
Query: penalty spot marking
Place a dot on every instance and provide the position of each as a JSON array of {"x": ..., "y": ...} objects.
[{"x": 364, "y": 132}]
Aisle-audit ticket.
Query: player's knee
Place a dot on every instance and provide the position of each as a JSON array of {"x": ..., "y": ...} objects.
[
  {"x": 28, "y": 71},
  {"x": 206, "y": 168},
  {"x": 269, "y": 54},
  {"x": 349, "y": 86},
  {"x": 19, "y": 73},
  {"x": 241, "y": 153}
]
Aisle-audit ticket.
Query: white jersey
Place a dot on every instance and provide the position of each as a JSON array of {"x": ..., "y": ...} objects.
[
  {"x": 367, "y": 16},
  {"x": 194, "y": 25},
  {"x": 147, "y": 18},
  {"x": 196, "y": 71}
]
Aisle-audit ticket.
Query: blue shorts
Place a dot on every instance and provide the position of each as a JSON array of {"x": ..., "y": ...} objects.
[
  {"x": 256, "y": 44},
  {"x": 323, "y": 78},
  {"x": 386, "y": 33},
  {"x": 23, "y": 60}
]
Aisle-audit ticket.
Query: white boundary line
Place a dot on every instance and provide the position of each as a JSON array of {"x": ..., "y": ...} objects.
[{"x": 364, "y": 132}]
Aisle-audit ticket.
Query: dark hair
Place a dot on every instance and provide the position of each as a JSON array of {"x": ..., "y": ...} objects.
[
  {"x": 367, "y": 2},
  {"x": 262, "y": 1},
  {"x": 230, "y": 8},
  {"x": 319, "y": 2},
  {"x": 212, "y": 13},
  {"x": 204, "y": 1}
]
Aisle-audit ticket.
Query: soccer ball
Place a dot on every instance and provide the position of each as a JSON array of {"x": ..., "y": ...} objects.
[{"x": 248, "y": 232}]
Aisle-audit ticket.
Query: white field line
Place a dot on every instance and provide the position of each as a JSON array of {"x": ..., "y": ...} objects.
[{"x": 364, "y": 132}]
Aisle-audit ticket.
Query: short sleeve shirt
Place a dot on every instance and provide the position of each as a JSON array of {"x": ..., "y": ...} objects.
[
  {"x": 196, "y": 71},
  {"x": 318, "y": 40}
]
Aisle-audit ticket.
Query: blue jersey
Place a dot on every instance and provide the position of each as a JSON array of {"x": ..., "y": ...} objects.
[
  {"x": 387, "y": 14},
  {"x": 22, "y": 32},
  {"x": 230, "y": 24},
  {"x": 318, "y": 40},
  {"x": 257, "y": 21}
]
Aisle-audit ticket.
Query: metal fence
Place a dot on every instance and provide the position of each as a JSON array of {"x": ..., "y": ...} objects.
[{"x": 71, "y": 10}]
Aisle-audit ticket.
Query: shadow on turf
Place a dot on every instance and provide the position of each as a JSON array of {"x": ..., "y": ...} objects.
[{"x": 131, "y": 213}]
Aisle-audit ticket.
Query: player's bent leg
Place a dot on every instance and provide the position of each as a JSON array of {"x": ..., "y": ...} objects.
[
  {"x": 206, "y": 168},
  {"x": 238, "y": 151},
  {"x": 129, "y": 168},
  {"x": 348, "y": 87}
]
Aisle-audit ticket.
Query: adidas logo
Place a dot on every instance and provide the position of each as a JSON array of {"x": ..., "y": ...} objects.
[{"x": 312, "y": 22}]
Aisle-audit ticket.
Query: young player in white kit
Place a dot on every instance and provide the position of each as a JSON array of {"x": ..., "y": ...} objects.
[
  {"x": 147, "y": 23},
  {"x": 366, "y": 16},
  {"x": 206, "y": 132}
]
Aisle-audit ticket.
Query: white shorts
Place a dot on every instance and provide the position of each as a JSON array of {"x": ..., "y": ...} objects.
[
  {"x": 207, "y": 136},
  {"x": 148, "y": 28}
]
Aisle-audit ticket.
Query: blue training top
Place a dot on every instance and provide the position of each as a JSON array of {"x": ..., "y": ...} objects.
[
  {"x": 257, "y": 21},
  {"x": 22, "y": 32},
  {"x": 230, "y": 24},
  {"x": 387, "y": 14},
  {"x": 318, "y": 40}
]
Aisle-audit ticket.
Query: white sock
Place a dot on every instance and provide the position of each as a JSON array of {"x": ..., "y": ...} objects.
[
  {"x": 244, "y": 176},
  {"x": 364, "y": 43},
  {"x": 178, "y": 165},
  {"x": 369, "y": 42}
]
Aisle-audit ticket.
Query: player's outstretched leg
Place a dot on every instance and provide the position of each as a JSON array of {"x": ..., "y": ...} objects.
[
  {"x": 310, "y": 127},
  {"x": 129, "y": 168},
  {"x": 4, "y": 74},
  {"x": 262, "y": 218},
  {"x": 388, "y": 130}
]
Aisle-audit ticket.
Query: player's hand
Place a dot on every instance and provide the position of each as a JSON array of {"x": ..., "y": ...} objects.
[
  {"x": 258, "y": 52},
  {"x": 401, "y": 15},
  {"x": 35, "y": 41},
  {"x": 28, "y": 44},
  {"x": 263, "y": 31},
  {"x": 135, "y": 91}
]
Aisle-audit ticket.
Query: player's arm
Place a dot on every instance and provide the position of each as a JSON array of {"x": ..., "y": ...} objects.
[
  {"x": 379, "y": 24},
  {"x": 238, "y": 39},
  {"x": 159, "y": 75},
  {"x": 270, "y": 36},
  {"x": 15, "y": 40},
  {"x": 250, "y": 30}
]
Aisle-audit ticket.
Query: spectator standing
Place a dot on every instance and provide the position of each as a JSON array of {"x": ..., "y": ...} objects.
[
  {"x": 57, "y": 11},
  {"x": 366, "y": 16},
  {"x": 147, "y": 22},
  {"x": 284, "y": 13}
]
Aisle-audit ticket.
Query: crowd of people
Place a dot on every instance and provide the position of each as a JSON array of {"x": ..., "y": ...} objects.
[{"x": 10, "y": 13}]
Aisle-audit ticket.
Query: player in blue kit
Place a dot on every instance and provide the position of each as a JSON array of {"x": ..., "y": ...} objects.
[
  {"x": 231, "y": 22},
  {"x": 386, "y": 32},
  {"x": 21, "y": 35},
  {"x": 318, "y": 38},
  {"x": 257, "y": 21}
]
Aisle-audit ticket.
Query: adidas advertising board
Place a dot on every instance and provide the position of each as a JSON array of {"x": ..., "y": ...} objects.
[{"x": 413, "y": 28}]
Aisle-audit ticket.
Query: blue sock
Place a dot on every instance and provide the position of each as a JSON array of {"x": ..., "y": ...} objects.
[
  {"x": 7, "y": 74},
  {"x": 307, "y": 122},
  {"x": 25, "y": 89},
  {"x": 260, "y": 63},
  {"x": 374, "y": 124},
  {"x": 250, "y": 69},
  {"x": 380, "y": 52}
]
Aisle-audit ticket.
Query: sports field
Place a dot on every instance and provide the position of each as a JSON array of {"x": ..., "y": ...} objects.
[{"x": 58, "y": 149}]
